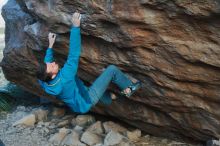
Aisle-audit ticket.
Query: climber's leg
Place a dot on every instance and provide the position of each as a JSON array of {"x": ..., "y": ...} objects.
[
  {"x": 106, "y": 98},
  {"x": 110, "y": 74}
]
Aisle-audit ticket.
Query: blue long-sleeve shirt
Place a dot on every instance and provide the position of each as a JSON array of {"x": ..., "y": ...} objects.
[{"x": 66, "y": 85}]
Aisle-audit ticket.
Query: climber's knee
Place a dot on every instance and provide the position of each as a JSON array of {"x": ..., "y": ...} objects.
[{"x": 112, "y": 67}]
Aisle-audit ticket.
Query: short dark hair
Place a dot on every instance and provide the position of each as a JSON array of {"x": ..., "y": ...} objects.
[{"x": 42, "y": 74}]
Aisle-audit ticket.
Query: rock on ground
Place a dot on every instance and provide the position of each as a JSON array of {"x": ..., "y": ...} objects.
[
  {"x": 59, "y": 112},
  {"x": 133, "y": 135},
  {"x": 83, "y": 120},
  {"x": 111, "y": 126},
  {"x": 112, "y": 138},
  {"x": 47, "y": 133},
  {"x": 96, "y": 128},
  {"x": 72, "y": 139},
  {"x": 28, "y": 120},
  {"x": 58, "y": 137},
  {"x": 41, "y": 114},
  {"x": 91, "y": 138}
]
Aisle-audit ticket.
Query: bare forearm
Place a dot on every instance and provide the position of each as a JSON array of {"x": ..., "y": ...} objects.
[
  {"x": 49, "y": 52},
  {"x": 50, "y": 46}
]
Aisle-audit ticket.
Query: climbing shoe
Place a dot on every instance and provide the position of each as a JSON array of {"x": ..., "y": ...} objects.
[{"x": 133, "y": 88}]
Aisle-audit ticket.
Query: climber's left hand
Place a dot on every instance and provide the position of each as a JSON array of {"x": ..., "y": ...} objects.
[{"x": 76, "y": 19}]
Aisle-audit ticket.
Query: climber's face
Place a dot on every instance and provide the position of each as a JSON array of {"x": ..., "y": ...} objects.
[{"x": 52, "y": 68}]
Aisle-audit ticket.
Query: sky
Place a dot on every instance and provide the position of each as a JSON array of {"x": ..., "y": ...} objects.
[{"x": 2, "y": 23}]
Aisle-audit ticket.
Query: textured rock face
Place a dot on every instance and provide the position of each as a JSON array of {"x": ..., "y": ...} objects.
[{"x": 173, "y": 47}]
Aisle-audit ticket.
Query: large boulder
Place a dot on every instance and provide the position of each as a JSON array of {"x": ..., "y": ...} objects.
[{"x": 173, "y": 47}]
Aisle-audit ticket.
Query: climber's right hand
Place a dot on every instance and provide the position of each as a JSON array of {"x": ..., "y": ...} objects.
[
  {"x": 51, "y": 38},
  {"x": 76, "y": 19}
]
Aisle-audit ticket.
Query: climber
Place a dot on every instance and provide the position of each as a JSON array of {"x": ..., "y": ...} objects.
[{"x": 66, "y": 85}]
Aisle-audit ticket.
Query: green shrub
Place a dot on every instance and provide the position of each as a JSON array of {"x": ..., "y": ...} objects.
[{"x": 6, "y": 102}]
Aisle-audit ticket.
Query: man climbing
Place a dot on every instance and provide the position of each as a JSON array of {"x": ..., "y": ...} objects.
[{"x": 66, "y": 85}]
